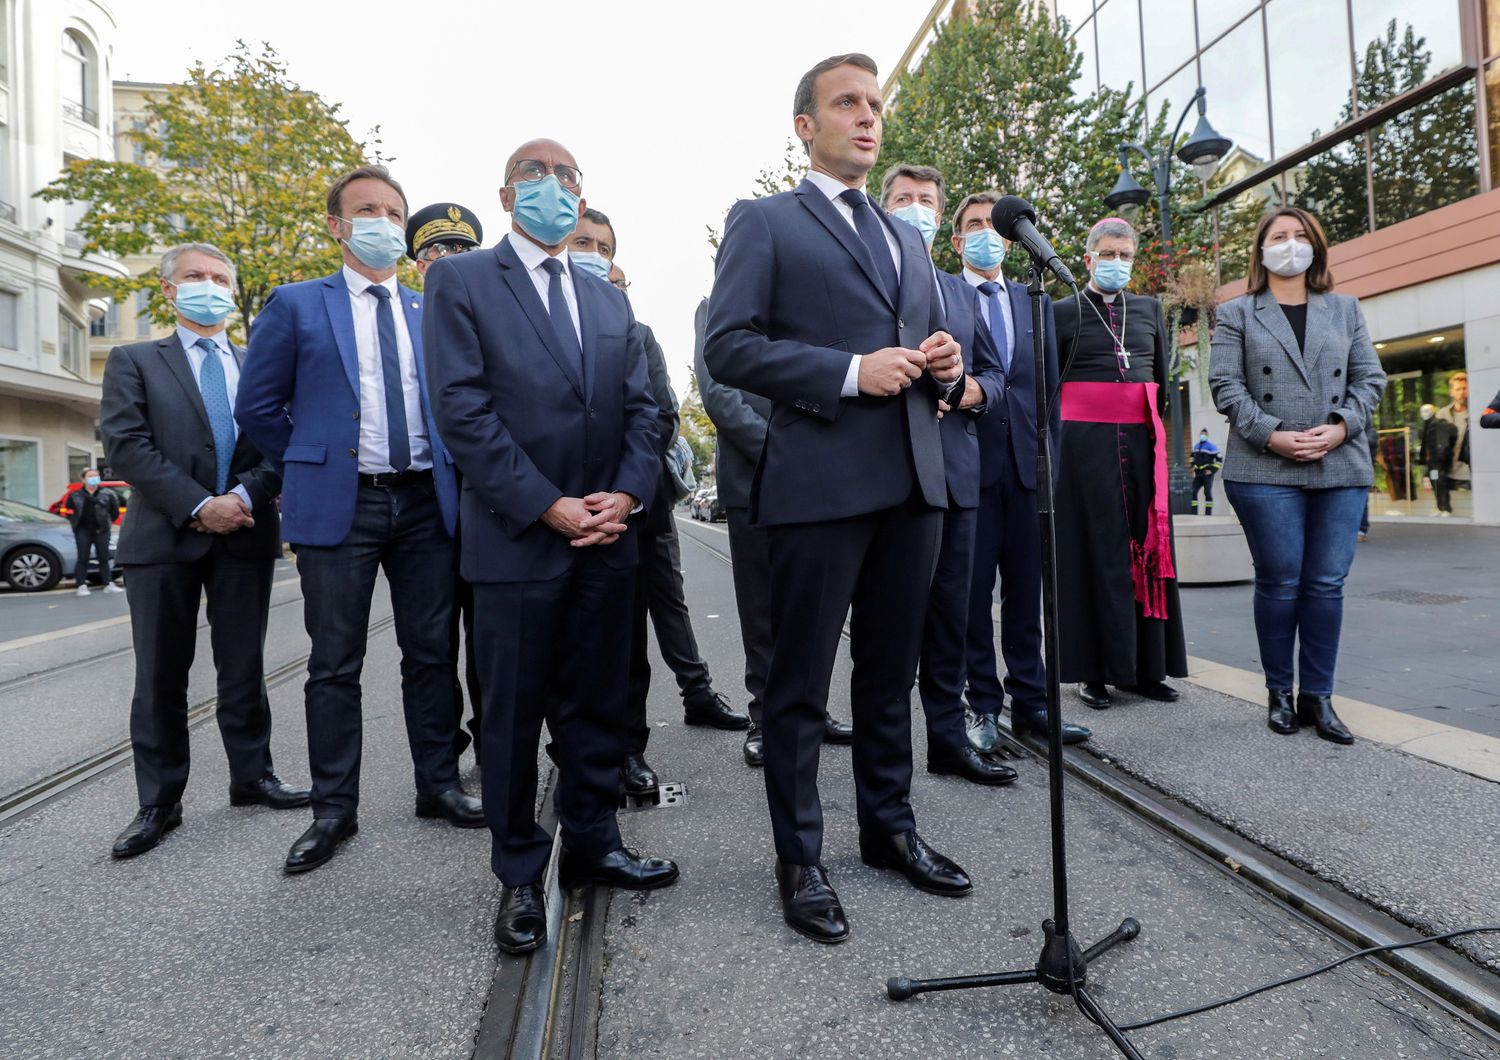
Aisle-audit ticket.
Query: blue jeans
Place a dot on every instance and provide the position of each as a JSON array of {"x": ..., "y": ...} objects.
[{"x": 1302, "y": 542}]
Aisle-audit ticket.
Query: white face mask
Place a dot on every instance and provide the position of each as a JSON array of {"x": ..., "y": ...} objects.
[{"x": 1291, "y": 258}]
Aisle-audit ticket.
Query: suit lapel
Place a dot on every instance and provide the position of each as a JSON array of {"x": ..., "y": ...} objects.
[
  {"x": 1274, "y": 320},
  {"x": 910, "y": 305},
  {"x": 514, "y": 274},
  {"x": 1020, "y": 312},
  {"x": 821, "y": 208},
  {"x": 341, "y": 317},
  {"x": 176, "y": 357},
  {"x": 411, "y": 306},
  {"x": 1318, "y": 330}
]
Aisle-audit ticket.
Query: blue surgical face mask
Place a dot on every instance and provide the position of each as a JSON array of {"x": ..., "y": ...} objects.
[
  {"x": 204, "y": 302},
  {"x": 545, "y": 209},
  {"x": 1111, "y": 276},
  {"x": 92, "y": 480},
  {"x": 376, "y": 242},
  {"x": 591, "y": 262},
  {"x": 920, "y": 217},
  {"x": 984, "y": 249}
]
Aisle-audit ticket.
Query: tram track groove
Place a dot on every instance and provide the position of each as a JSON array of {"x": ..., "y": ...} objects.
[
  {"x": 1442, "y": 973},
  {"x": 25, "y": 800}
]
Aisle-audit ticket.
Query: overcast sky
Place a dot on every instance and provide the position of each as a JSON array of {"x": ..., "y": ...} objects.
[{"x": 670, "y": 107}]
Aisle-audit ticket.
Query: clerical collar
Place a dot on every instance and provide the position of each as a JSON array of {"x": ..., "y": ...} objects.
[{"x": 1103, "y": 296}]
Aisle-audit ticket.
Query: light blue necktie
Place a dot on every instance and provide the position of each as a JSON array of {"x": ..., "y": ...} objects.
[
  {"x": 991, "y": 290},
  {"x": 215, "y": 389}
]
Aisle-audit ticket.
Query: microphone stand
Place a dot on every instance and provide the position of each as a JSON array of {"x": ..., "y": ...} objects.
[{"x": 1063, "y": 966}]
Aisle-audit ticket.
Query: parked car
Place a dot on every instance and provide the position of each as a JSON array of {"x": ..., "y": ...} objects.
[
  {"x": 37, "y": 550},
  {"x": 122, "y": 490},
  {"x": 706, "y": 507}
]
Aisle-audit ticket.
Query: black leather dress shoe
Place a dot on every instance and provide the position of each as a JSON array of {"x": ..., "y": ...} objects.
[
  {"x": 809, "y": 904},
  {"x": 983, "y": 732},
  {"x": 1282, "y": 715},
  {"x": 923, "y": 867},
  {"x": 316, "y": 845},
  {"x": 146, "y": 830},
  {"x": 521, "y": 923},
  {"x": 455, "y": 805},
  {"x": 622, "y": 868},
  {"x": 755, "y": 751},
  {"x": 1157, "y": 690},
  {"x": 1095, "y": 695},
  {"x": 1318, "y": 711},
  {"x": 716, "y": 713},
  {"x": 270, "y": 790},
  {"x": 1034, "y": 725},
  {"x": 835, "y": 731},
  {"x": 968, "y": 763},
  {"x": 636, "y": 777}
]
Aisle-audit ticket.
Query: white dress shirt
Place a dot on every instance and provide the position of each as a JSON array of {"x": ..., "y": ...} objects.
[
  {"x": 374, "y": 446},
  {"x": 195, "y": 356},
  {"x": 1008, "y": 323},
  {"x": 532, "y": 258},
  {"x": 833, "y": 188}
]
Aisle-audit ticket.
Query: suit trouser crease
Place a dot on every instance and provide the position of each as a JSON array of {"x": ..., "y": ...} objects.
[
  {"x": 163, "y": 600},
  {"x": 554, "y": 651},
  {"x": 877, "y": 569},
  {"x": 940, "y": 679},
  {"x": 400, "y": 531},
  {"x": 750, "y": 555}
]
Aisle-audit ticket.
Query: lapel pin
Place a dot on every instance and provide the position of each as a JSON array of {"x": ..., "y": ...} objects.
[{"x": 414, "y": 304}]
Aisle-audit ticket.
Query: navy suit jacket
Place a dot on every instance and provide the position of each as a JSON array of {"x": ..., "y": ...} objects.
[
  {"x": 522, "y": 426},
  {"x": 795, "y": 295},
  {"x": 1014, "y": 414},
  {"x": 960, "y": 428},
  {"x": 298, "y": 401}
]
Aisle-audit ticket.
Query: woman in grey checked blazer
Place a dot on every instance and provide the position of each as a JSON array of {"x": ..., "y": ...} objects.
[{"x": 1293, "y": 368}]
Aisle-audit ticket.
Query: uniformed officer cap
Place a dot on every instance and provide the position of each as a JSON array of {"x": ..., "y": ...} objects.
[{"x": 442, "y": 222}]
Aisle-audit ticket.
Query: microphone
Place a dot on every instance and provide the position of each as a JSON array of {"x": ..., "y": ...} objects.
[{"x": 1015, "y": 219}]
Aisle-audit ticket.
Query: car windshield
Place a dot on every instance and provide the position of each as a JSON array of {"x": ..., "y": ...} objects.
[{"x": 16, "y": 512}]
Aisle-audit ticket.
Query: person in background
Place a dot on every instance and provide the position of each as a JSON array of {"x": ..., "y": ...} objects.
[
  {"x": 1439, "y": 446},
  {"x": 1490, "y": 418},
  {"x": 1206, "y": 464},
  {"x": 92, "y": 509},
  {"x": 659, "y": 593},
  {"x": 1116, "y": 575},
  {"x": 1293, "y": 368},
  {"x": 432, "y": 233},
  {"x": 1456, "y": 412}
]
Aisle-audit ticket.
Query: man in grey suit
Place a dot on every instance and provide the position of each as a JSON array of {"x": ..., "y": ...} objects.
[
  {"x": 740, "y": 420},
  {"x": 202, "y": 517}
]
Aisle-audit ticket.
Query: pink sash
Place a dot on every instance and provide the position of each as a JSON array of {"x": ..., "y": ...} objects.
[{"x": 1151, "y": 560}]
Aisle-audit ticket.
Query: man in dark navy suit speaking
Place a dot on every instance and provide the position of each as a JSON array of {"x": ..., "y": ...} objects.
[
  {"x": 538, "y": 377},
  {"x": 828, "y": 308}
]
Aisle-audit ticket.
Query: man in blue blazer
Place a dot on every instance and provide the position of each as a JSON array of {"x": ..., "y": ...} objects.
[
  {"x": 915, "y": 195},
  {"x": 1007, "y": 534},
  {"x": 333, "y": 394},
  {"x": 830, "y": 309},
  {"x": 539, "y": 384}
]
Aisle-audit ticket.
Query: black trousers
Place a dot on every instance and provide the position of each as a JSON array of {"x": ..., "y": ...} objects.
[
  {"x": 659, "y": 594},
  {"x": 1007, "y": 540},
  {"x": 398, "y": 530},
  {"x": 556, "y": 651},
  {"x": 97, "y": 539},
  {"x": 1442, "y": 489},
  {"x": 750, "y": 553},
  {"x": 941, "y": 677},
  {"x": 163, "y": 600},
  {"x": 1204, "y": 481},
  {"x": 877, "y": 569}
]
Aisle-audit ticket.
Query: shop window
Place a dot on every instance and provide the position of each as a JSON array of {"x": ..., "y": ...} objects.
[
  {"x": 1421, "y": 427},
  {"x": 19, "y": 470}
]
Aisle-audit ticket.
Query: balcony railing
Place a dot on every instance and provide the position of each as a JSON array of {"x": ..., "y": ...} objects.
[
  {"x": 7, "y": 212},
  {"x": 87, "y": 115}
]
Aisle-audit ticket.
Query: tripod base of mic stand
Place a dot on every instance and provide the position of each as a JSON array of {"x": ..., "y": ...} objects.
[{"x": 1062, "y": 968}]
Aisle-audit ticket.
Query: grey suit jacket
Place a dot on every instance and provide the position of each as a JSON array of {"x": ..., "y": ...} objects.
[
  {"x": 156, "y": 437},
  {"x": 1264, "y": 383},
  {"x": 740, "y": 419}
]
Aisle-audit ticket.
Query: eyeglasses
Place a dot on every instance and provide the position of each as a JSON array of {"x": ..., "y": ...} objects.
[
  {"x": 531, "y": 169},
  {"x": 622, "y": 283},
  {"x": 433, "y": 251},
  {"x": 1126, "y": 256}
]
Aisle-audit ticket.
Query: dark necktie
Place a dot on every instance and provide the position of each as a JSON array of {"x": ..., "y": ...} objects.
[
  {"x": 562, "y": 320},
  {"x": 991, "y": 291},
  {"x": 215, "y": 390},
  {"x": 872, "y": 234},
  {"x": 397, "y": 439}
]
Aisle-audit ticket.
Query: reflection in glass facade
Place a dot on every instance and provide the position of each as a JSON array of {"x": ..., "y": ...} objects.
[{"x": 1282, "y": 73}]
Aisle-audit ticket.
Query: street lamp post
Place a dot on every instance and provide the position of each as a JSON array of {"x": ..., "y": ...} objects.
[{"x": 1203, "y": 151}]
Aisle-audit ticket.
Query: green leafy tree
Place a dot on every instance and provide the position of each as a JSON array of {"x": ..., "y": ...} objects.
[
  {"x": 1422, "y": 159},
  {"x": 698, "y": 429},
  {"x": 238, "y": 156}
]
